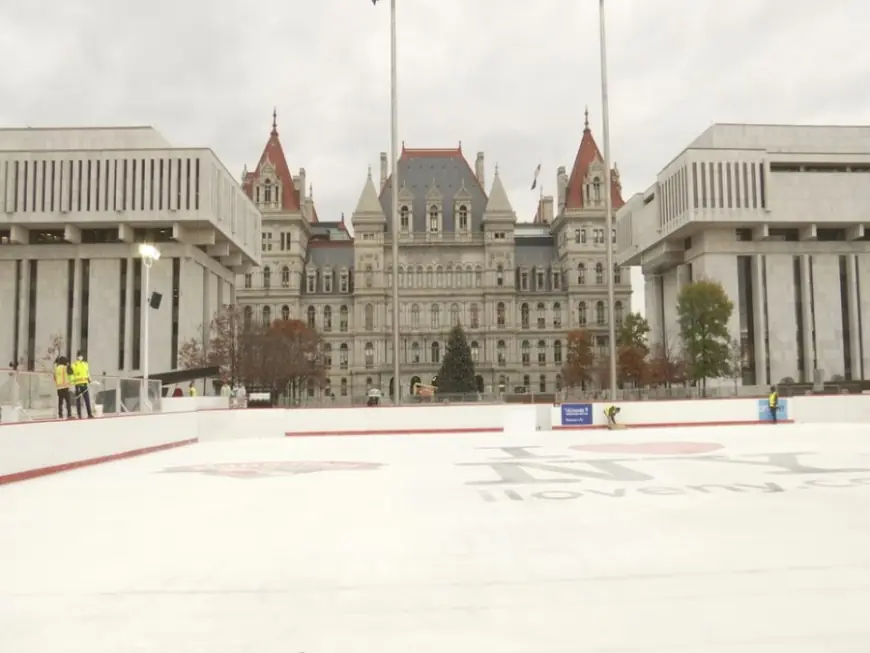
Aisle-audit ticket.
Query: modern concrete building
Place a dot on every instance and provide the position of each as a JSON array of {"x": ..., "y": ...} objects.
[
  {"x": 75, "y": 204},
  {"x": 778, "y": 215},
  {"x": 464, "y": 258}
]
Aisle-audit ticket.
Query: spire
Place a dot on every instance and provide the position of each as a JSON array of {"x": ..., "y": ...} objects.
[
  {"x": 586, "y": 122},
  {"x": 275, "y": 121},
  {"x": 369, "y": 205},
  {"x": 498, "y": 200}
]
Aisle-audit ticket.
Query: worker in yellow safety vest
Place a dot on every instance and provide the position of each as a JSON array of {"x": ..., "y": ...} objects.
[
  {"x": 81, "y": 378},
  {"x": 62, "y": 383}
]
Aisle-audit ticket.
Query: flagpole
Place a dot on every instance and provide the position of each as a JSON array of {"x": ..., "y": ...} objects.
[
  {"x": 394, "y": 147},
  {"x": 608, "y": 199}
]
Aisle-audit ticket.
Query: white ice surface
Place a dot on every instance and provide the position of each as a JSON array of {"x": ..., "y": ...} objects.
[{"x": 409, "y": 557}]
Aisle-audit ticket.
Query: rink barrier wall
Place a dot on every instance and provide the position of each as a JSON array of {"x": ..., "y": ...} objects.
[{"x": 33, "y": 449}]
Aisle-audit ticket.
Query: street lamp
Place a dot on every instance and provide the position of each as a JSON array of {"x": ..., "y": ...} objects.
[
  {"x": 149, "y": 254},
  {"x": 394, "y": 147},
  {"x": 608, "y": 198}
]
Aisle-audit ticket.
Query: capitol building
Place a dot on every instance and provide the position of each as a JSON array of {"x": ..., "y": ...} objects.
[{"x": 516, "y": 287}]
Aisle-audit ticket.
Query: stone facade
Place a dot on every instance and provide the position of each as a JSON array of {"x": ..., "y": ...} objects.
[
  {"x": 516, "y": 287},
  {"x": 778, "y": 215}
]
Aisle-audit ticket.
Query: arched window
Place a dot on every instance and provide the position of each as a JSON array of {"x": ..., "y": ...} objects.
[
  {"x": 369, "y": 317},
  {"x": 524, "y": 316},
  {"x": 478, "y": 277},
  {"x": 312, "y": 317},
  {"x": 475, "y": 316},
  {"x": 618, "y": 313},
  {"x": 267, "y": 316},
  {"x": 267, "y": 191},
  {"x": 419, "y": 276},
  {"x": 558, "y": 382},
  {"x": 433, "y": 218},
  {"x": 439, "y": 277},
  {"x": 405, "y": 217},
  {"x": 285, "y": 277},
  {"x": 430, "y": 278},
  {"x": 327, "y": 355},
  {"x": 599, "y": 313},
  {"x": 542, "y": 352},
  {"x": 435, "y": 316},
  {"x": 401, "y": 277},
  {"x": 581, "y": 273},
  {"x": 327, "y": 318},
  {"x": 436, "y": 352},
  {"x": 526, "y": 352},
  {"x": 501, "y": 352},
  {"x": 599, "y": 274},
  {"x": 285, "y": 312},
  {"x": 454, "y": 314},
  {"x": 415, "y": 352},
  {"x": 463, "y": 217},
  {"x": 343, "y": 355},
  {"x": 415, "y": 316},
  {"x": 267, "y": 278},
  {"x": 581, "y": 314},
  {"x": 249, "y": 316},
  {"x": 475, "y": 351},
  {"x": 370, "y": 276},
  {"x": 617, "y": 274},
  {"x": 542, "y": 315},
  {"x": 499, "y": 314},
  {"x": 596, "y": 189},
  {"x": 557, "y": 352},
  {"x": 499, "y": 276},
  {"x": 557, "y": 315},
  {"x": 343, "y": 387},
  {"x": 342, "y": 319},
  {"x": 369, "y": 355}
]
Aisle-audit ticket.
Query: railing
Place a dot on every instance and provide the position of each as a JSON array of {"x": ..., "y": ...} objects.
[{"x": 35, "y": 395}]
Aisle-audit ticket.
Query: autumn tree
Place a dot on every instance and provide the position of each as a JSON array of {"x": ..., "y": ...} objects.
[
  {"x": 579, "y": 365},
  {"x": 703, "y": 310},
  {"x": 633, "y": 348},
  {"x": 286, "y": 355},
  {"x": 457, "y": 369}
]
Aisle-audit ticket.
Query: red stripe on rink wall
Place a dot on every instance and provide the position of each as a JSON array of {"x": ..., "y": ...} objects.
[
  {"x": 29, "y": 474},
  {"x": 668, "y": 425},
  {"x": 488, "y": 429}
]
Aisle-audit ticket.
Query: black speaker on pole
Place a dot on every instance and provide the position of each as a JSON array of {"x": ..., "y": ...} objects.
[{"x": 155, "y": 300}]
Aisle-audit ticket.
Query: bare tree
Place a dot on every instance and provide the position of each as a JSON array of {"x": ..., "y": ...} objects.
[
  {"x": 736, "y": 361},
  {"x": 56, "y": 347},
  {"x": 223, "y": 347}
]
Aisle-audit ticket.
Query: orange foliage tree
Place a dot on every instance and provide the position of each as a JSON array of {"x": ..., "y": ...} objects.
[
  {"x": 579, "y": 365},
  {"x": 227, "y": 333},
  {"x": 285, "y": 356},
  {"x": 666, "y": 367},
  {"x": 631, "y": 365}
]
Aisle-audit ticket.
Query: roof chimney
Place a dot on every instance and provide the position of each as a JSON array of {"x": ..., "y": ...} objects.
[
  {"x": 479, "y": 170},
  {"x": 383, "y": 170}
]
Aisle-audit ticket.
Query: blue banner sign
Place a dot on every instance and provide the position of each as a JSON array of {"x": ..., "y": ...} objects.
[
  {"x": 764, "y": 414},
  {"x": 576, "y": 414}
]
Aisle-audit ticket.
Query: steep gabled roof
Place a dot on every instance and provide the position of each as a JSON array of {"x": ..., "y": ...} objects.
[
  {"x": 498, "y": 200},
  {"x": 587, "y": 154},
  {"x": 273, "y": 154}
]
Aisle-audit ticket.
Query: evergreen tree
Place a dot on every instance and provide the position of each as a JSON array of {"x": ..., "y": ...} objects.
[
  {"x": 457, "y": 369},
  {"x": 704, "y": 309}
]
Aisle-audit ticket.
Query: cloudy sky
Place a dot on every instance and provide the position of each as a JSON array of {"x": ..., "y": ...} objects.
[{"x": 509, "y": 78}]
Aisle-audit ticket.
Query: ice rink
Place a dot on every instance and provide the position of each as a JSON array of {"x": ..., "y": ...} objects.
[{"x": 750, "y": 540}]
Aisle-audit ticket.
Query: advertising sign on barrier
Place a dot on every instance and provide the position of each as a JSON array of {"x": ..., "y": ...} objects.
[
  {"x": 576, "y": 414},
  {"x": 764, "y": 410}
]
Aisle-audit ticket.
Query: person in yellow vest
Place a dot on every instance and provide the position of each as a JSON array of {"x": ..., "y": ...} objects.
[
  {"x": 773, "y": 402},
  {"x": 610, "y": 412},
  {"x": 62, "y": 383},
  {"x": 81, "y": 379},
  {"x": 191, "y": 391}
]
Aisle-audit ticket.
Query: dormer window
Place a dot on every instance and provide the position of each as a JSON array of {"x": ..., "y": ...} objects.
[
  {"x": 596, "y": 189},
  {"x": 327, "y": 280},
  {"x": 463, "y": 217},
  {"x": 343, "y": 281},
  {"x": 433, "y": 219},
  {"x": 267, "y": 191},
  {"x": 582, "y": 236},
  {"x": 312, "y": 281},
  {"x": 405, "y": 217}
]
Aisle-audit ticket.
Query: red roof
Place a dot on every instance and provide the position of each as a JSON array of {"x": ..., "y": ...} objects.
[
  {"x": 587, "y": 154},
  {"x": 273, "y": 154}
]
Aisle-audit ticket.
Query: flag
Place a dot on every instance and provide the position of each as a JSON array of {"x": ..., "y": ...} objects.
[{"x": 535, "y": 180}]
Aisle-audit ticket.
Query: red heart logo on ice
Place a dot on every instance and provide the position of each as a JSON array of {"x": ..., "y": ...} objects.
[{"x": 651, "y": 448}]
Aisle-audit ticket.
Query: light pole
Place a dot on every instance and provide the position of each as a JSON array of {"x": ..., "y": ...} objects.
[
  {"x": 149, "y": 254},
  {"x": 394, "y": 147},
  {"x": 608, "y": 198}
]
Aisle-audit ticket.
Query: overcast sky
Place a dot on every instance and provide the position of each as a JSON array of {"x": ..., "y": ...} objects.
[{"x": 509, "y": 78}]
